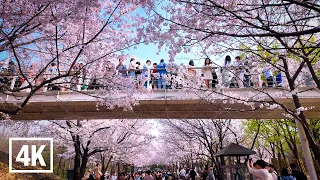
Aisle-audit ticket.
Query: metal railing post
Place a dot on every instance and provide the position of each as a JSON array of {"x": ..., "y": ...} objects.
[
  {"x": 13, "y": 82},
  {"x": 148, "y": 78}
]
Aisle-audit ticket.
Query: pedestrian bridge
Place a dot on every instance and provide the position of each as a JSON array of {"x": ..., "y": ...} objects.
[{"x": 161, "y": 104}]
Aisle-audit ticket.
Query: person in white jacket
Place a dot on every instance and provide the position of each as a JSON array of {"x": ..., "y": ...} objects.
[
  {"x": 272, "y": 171},
  {"x": 259, "y": 172}
]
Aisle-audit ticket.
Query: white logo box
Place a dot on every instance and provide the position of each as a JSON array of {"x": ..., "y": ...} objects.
[{"x": 31, "y": 171}]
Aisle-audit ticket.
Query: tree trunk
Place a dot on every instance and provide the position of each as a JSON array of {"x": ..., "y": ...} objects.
[
  {"x": 306, "y": 138},
  {"x": 282, "y": 151},
  {"x": 103, "y": 157},
  {"x": 83, "y": 164},
  {"x": 106, "y": 167},
  {"x": 306, "y": 151},
  {"x": 77, "y": 159},
  {"x": 118, "y": 169},
  {"x": 59, "y": 166},
  {"x": 273, "y": 150},
  {"x": 291, "y": 141},
  {"x": 303, "y": 131},
  {"x": 314, "y": 145}
]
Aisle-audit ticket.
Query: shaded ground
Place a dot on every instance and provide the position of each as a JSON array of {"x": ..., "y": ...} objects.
[{"x": 5, "y": 175}]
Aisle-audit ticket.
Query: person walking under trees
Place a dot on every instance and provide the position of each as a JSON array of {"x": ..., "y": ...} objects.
[
  {"x": 273, "y": 172},
  {"x": 286, "y": 175},
  {"x": 148, "y": 176},
  {"x": 193, "y": 174},
  {"x": 297, "y": 174},
  {"x": 205, "y": 173},
  {"x": 211, "y": 174},
  {"x": 183, "y": 173},
  {"x": 96, "y": 172},
  {"x": 259, "y": 172}
]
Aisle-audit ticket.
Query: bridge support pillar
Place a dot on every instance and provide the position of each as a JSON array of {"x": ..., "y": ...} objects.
[{"x": 306, "y": 151}]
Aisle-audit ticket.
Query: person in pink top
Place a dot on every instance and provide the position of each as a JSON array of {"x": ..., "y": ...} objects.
[
  {"x": 259, "y": 171},
  {"x": 148, "y": 176}
]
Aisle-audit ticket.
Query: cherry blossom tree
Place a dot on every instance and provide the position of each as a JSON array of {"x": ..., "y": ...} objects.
[
  {"x": 68, "y": 33},
  {"x": 85, "y": 139},
  {"x": 262, "y": 30},
  {"x": 55, "y": 43},
  {"x": 199, "y": 138},
  {"x": 129, "y": 144}
]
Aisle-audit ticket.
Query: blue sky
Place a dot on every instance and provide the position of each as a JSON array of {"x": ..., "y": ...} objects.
[
  {"x": 149, "y": 52},
  {"x": 3, "y": 55}
]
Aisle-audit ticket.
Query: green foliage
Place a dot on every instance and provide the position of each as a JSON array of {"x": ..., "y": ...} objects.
[
  {"x": 156, "y": 167},
  {"x": 308, "y": 46},
  {"x": 282, "y": 134},
  {"x": 271, "y": 132}
]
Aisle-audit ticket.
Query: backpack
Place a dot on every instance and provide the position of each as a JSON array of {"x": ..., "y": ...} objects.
[
  {"x": 278, "y": 177},
  {"x": 91, "y": 177},
  {"x": 287, "y": 178}
]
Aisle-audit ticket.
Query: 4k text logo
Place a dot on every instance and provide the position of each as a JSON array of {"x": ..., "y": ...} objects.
[{"x": 30, "y": 154}]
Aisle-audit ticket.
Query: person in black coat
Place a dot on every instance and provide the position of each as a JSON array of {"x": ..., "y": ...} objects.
[
  {"x": 193, "y": 174},
  {"x": 297, "y": 174}
]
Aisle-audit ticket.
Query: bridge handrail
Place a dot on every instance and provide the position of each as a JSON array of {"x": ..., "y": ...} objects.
[
  {"x": 74, "y": 72},
  {"x": 149, "y": 72}
]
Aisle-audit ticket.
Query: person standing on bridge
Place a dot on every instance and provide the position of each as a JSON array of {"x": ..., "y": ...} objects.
[
  {"x": 132, "y": 67},
  {"x": 161, "y": 70},
  {"x": 225, "y": 71},
  {"x": 191, "y": 71},
  {"x": 53, "y": 71},
  {"x": 154, "y": 76},
  {"x": 239, "y": 72},
  {"x": 207, "y": 72},
  {"x": 147, "y": 73},
  {"x": 121, "y": 68},
  {"x": 138, "y": 70},
  {"x": 268, "y": 74}
]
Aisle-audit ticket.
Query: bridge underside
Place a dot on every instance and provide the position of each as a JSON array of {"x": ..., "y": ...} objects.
[{"x": 157, "y": 109}]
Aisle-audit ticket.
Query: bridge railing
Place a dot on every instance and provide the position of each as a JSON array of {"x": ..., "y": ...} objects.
[{"x": 232, "y": 73}]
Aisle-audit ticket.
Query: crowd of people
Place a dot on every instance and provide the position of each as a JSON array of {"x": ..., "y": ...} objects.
[
  {"x": 184, "y": 174},
  {"x": 260, "y": 170},
  {"x": 232, "y": 74},
  {"x": 237, "y": 74}
]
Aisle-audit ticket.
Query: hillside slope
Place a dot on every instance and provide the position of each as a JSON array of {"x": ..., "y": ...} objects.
[{"x": 5, "y": 175}]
